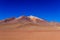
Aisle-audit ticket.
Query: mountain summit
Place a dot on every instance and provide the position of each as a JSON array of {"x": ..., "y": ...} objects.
[{"x": 34, "y": 18}]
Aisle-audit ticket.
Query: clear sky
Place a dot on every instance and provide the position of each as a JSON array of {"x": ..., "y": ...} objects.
[{"x": 46, "y": 9}]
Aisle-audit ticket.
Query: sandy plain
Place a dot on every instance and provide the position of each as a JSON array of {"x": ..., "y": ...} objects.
[{"x": 29, "y": 35}]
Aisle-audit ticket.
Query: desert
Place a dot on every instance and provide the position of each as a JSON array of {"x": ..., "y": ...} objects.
[{"x": 29, "y": 28}]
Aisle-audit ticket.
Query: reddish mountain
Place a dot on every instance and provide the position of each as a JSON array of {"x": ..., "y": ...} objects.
[
  {"x": 27, "y": 21},
  {"x": 20, "y": 19}
]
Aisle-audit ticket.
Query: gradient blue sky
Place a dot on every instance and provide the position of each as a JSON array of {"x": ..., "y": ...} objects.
[{"x": 46, "y": 9}]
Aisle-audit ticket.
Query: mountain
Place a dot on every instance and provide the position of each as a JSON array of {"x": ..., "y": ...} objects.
[
  {"x": 28, "y": 23},
  {"x": 24, "y": 19}
]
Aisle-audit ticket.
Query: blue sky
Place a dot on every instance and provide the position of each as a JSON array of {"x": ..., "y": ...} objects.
[{"x": 46, "y": 9}]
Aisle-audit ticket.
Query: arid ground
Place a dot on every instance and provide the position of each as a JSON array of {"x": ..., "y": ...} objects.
[{"x": 29, "y": 35}]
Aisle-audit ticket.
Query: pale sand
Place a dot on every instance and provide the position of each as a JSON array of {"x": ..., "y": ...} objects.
[{"x": 30, "y": 35}]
